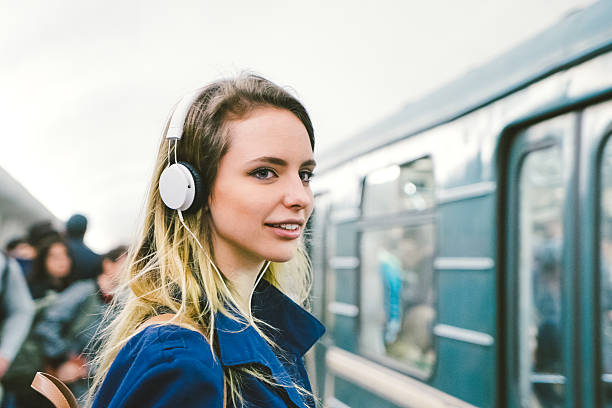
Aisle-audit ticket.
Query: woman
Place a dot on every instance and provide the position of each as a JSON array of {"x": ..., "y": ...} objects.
[
  {"x": 220, "y": 275},
  {"x": 52, "y": 268}
]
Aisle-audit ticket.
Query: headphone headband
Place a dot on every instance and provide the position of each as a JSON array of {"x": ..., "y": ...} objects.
[
  {"x": 179, "y": 116},
  {"x": 180, "y": 185}
]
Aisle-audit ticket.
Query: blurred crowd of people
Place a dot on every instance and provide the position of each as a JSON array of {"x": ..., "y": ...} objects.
[{"x": 53, "y": 294}]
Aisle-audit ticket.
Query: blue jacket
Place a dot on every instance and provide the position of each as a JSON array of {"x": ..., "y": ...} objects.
[{"x": 171, "y": 366}]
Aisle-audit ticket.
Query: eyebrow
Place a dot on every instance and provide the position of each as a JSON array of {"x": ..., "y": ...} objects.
[{"x": 281, "y": 162}]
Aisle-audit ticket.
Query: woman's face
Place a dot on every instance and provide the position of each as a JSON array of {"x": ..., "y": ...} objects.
[
  {"x": 58, "y": 262},
  {"x": 261, "y": 198}
]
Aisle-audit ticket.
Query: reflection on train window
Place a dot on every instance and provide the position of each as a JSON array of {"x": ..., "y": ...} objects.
[
  {"x": 541, "y": 236},
  {"x": 399, "y": 188},
  {"x": 398, "y": 274},
  {"x": 606, "y": 270},
  {"x": 397, "y": 269}
]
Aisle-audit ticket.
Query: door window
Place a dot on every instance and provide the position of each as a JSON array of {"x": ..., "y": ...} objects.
[
  {"x": 606, "y": 271},
  {"x": 541, "y": 195}
]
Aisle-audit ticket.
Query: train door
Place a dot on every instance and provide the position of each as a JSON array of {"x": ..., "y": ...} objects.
[
  {"x": 541, "y": 265},
  {"x": 596, "y": 254}
]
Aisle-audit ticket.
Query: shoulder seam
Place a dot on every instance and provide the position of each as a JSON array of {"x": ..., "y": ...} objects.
[{"x": 167, "y": 346}]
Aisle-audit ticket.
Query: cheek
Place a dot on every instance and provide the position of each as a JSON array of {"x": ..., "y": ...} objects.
[
  {"x": 311, "y": 205},
  {"x": 236, "y": 213},
  {"x": 58, "y": 266},
  {"x": 49, "y": 265}
]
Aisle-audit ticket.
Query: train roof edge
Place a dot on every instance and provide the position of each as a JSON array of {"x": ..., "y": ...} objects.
[{"x": 580, "y": 35}]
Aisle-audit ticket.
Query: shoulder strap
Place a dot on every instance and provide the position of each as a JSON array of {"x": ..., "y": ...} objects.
[{"x": 54, "y": 390}]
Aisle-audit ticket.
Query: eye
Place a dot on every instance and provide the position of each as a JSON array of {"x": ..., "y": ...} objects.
[
  {"x": 306, "y": 176},
  {"x": 263, "y": 173}
]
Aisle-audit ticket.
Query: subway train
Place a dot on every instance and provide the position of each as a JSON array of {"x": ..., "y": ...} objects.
[{"x": 462, "y": 247}]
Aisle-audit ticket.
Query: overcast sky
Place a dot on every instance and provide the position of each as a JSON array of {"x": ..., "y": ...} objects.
[{"x": 85, "y": 86}]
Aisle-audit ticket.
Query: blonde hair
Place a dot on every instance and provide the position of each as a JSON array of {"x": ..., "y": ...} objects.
[{"x": 167, "y": 268}]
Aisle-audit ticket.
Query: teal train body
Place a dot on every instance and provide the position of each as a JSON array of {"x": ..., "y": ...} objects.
[{"x": 462, "y": 247}]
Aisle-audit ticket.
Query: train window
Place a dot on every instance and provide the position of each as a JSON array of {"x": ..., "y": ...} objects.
[
  {"x": 399, "y": 188},
  {"x": 540, "y": 286},
  {"x": 397, "y": 270},
  {"x": 606, "y": 269}
]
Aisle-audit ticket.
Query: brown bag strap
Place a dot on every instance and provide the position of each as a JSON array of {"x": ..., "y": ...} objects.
[{"x": 54, "y": 390}]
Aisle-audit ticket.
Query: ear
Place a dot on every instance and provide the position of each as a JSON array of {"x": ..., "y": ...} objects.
[{"x": 209, "y": 202}]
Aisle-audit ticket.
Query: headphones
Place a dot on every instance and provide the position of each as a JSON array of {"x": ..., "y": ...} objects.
[{"x": 180, "y": 185}]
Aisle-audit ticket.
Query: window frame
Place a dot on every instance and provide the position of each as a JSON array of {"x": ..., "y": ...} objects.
[
  {"x": 520, "y": 143},
  {"x": 605, "y": 139},
  {"x": 412, "y": 218}
]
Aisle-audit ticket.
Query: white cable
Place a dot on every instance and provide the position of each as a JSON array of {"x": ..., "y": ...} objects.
[
  {"x": 180, "y": 213},
  {"x": 175, "y": 160},
  {"x": 168, "y": 154},
  {"x": 260, "y": 275},
  {"x": 261, "y": 272}
]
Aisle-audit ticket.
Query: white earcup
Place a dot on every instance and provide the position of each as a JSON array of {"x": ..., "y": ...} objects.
[{"x": 177, "y": 187}]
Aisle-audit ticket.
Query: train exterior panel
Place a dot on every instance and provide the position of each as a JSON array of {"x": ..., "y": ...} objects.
[{"x": 460, "y": 247}]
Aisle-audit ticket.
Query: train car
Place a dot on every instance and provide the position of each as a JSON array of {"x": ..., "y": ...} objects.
[
  {"x": 18, "y": 209},
  {"x": 462, "y": 248}
]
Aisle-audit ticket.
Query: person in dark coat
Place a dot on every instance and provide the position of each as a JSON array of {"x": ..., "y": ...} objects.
[
  {"x": 87, "y": 264},
  {"x": 211, "y": 309}
]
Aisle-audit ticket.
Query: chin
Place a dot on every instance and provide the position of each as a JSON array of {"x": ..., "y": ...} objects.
[
  {"x": 279, "y": 259},
  {"x": 281, "y": 255}
]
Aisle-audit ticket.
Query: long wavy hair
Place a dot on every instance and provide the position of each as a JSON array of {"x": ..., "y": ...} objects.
[{"x": 166, "y": 268}]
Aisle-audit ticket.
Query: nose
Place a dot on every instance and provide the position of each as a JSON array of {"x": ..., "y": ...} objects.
[{"x": 297, "y": 195}]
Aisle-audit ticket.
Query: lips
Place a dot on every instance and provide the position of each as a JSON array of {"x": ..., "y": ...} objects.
[
  {"x": 290, "y": 229},
  {"x": 287, "y": 222}
]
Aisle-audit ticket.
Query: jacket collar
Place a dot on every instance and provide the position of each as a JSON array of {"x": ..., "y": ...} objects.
[{"x": 294, "y": 330}]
